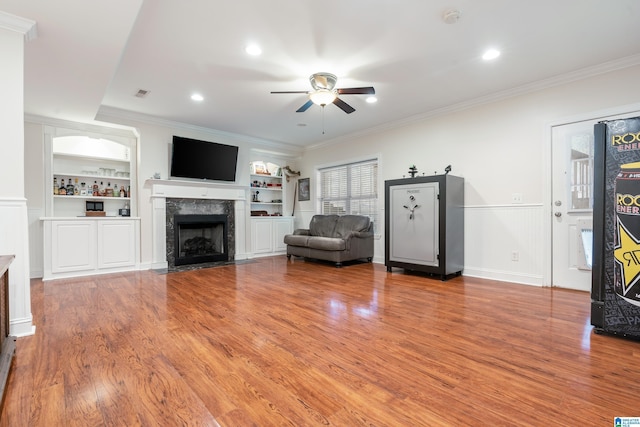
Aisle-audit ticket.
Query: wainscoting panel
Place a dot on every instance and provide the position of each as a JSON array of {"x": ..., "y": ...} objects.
[
  {"x": 36, "y": 244},
  {"x": 494, "y": 236},
  {"x": 505, "y": 242},
  {"x": 14, "y": 229}
]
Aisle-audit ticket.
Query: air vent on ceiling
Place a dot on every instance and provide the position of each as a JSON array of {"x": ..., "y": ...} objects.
[{"x": 142, "y": 93}]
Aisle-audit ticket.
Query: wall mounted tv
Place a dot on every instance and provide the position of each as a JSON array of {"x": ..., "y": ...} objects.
[{"x": 196, "y": 159}]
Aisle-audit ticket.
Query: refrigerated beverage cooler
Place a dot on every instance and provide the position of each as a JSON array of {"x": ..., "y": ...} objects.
[{"x": 615, "y": 292}]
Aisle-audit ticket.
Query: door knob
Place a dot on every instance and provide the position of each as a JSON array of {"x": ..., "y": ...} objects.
[{"x": 558, "y": 214}]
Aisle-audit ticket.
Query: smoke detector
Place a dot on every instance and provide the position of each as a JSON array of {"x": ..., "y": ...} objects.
[{"x": 451, "y": 16}]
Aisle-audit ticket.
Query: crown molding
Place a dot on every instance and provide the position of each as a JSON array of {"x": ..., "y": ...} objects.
[
  {"x": 20, "y": 25},
  {"x": 117, "y": 130},
  {"x": 584, "y": 73},
  {"x": 107, "y": 114}
]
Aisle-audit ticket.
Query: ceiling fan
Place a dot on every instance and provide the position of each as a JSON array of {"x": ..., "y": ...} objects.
[{"x": 324, "y": 93}]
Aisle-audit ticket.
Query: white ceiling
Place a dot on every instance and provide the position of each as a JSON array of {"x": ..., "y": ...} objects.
[{"x": 91, "y": 57}]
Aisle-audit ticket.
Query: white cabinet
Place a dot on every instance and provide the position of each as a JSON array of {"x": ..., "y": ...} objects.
[
  {"x": 116, "y": 244},
  {"x": 72, "y": 245},
  {"x": 78, "y": 242},
  {"x": 268, "y": 225},
  {"x": 281, "y": 227},
  {"x": 78, "y": 247},
  {"x": 267, "y": 234}
]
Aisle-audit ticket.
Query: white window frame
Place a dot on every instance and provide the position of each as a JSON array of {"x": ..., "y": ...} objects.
[{"x": 347, "y": 198}]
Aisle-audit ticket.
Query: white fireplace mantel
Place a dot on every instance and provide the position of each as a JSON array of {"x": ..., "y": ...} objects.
[
  {"x": 162, "y": 189},
  {"x": 171, "y": 188}
]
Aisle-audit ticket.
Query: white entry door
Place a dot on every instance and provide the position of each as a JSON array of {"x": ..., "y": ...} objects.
[{"x": 572, "y": 202}]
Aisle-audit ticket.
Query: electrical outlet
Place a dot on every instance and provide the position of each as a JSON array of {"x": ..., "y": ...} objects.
[
  {"x": 515, "y": 256},
  {"x": 516, "y": 198}
]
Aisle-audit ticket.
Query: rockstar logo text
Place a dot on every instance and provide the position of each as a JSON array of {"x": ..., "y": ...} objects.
[{"x": 627, "y": 253}]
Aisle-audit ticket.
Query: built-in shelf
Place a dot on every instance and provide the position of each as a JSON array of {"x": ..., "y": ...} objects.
[
  {"x": 76, "y": 242},
  {"x": 91, "y": 197},
  {"x": 267, "y": 195}
]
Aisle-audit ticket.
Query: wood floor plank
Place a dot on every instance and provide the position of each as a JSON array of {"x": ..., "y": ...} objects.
[{"x": 302, "y": 343}]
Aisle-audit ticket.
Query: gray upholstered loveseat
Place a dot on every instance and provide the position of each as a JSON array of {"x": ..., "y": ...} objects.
[{"x": 336, "y": 238}]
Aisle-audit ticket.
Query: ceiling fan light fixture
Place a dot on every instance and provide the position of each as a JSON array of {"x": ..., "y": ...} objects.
[
  {"x": 326, "y": 81},
  {"x": 322, "y": 96},
  {"x": 253, "y": 50}
]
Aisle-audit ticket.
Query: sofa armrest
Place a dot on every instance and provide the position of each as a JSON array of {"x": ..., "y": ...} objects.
[
  {"x": 301, "y": 231},
  {"x": 362, "y": 234}
]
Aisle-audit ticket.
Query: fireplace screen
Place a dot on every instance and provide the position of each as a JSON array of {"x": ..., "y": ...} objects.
[{"x": 200, "y": 238}]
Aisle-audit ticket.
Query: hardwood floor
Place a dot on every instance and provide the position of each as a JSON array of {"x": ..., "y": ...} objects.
[{"x": 302, "y": 343}]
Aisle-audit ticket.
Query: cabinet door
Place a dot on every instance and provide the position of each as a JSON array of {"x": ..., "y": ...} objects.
[
  {"x": 116, "y": 244},
  {"x": 261, "y": 235},
  {"x": 281, "y": 227},
  {"x": 414, "y": 223},
  {"x": 73, "y": 246}
]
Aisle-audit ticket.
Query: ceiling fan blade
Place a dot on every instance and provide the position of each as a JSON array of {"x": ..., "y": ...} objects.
[
  {"x": 293, "y": 91},
  {"x": 357, "y": 91},
  {"x": 304, "y": 108},
  {"x": 344, "y": 106}
]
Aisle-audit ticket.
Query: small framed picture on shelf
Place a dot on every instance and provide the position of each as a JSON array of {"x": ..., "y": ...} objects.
[
  {"x": 259, "y": 168},
  {"x": 303, "y": 190}
]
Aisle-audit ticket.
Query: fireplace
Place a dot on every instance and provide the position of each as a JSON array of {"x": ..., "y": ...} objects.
[
  {"x": 199, "y": 233},
  {"x": 200, "y": 239}
]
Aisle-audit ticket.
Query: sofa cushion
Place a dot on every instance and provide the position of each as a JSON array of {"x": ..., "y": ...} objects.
[
  {"x": 346, "y": 224},
  {"x": 323, "y": 225},
  {"x": 326, "y": 243},
  {"x": 296, "y": 239}
]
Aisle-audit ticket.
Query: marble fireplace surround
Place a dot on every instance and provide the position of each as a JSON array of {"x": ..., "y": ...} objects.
[{"x": 207, "y": 194}]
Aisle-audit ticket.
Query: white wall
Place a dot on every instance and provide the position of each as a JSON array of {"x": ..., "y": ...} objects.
[
  {"x": 499, "y": 148},
  {"x": 13, "y": 206},
  {"x": 154, "y": 152}
]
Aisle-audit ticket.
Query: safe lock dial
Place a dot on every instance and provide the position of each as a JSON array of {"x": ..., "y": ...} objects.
[{"x": 413, "y": 206}]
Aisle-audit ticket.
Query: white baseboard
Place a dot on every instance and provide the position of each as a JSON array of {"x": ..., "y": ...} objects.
[
  {"x": 504, "y": 276},
  {"x": 22, "y": 327}
]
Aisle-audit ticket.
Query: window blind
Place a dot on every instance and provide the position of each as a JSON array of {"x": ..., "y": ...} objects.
[{"x": 350, "y": 189}]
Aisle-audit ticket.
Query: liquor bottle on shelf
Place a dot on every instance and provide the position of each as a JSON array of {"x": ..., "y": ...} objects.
[
  {"x": 55, "y": 186},
  {"x": 62, "y": 191},
  {"x": 95, "y": 189},
  {"x": 116, "y": 191},
  {"x": 76, "y": 188},
  {"x": 108, "y": 192},
  {"x": 128, "y": 191},
  {"x": 102, "y": 189},
  {"x": 83, "y": 188},
  {"x": 69, "y": 188}
]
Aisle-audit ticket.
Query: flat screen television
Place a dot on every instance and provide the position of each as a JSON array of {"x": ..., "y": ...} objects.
[{"x": 191, "y": 158}]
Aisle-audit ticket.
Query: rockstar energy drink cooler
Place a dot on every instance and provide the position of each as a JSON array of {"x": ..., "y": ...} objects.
[{"x": 627, "y": 233}]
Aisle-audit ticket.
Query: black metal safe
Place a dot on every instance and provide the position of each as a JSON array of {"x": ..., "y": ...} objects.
[{"x": 424, "y": 224}]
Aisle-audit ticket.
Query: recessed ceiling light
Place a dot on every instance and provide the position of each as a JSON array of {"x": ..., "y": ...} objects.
[
  {"x": 451, "y": 16},
  {"x": 253, "y": 50},
  {"x": 372, "y": 100},
  {"x": 197, "y": 97},
  {"x": 491, "y": 54}
]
